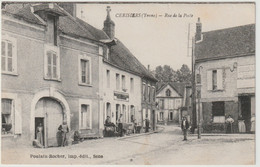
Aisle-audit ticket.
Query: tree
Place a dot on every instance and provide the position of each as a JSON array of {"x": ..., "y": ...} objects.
[
  {"x": 167, "y": 74},
  {"x": 184, "y": 74}
]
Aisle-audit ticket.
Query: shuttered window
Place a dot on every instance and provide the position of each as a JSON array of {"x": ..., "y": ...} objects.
[
  {"x": 8, "y": 55},
  {"x": 215, "y": 79},
  {"x": 84, "y": 67}
]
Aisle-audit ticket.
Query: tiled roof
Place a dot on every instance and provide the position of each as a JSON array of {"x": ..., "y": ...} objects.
[
  {"x": 120, "y": 56},
  {"x": 179, "y": 87},
  {"x": 230, "y": 42},
  {"x": 123, "y": 58}
]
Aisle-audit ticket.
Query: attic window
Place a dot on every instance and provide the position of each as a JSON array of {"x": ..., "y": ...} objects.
[
  {"x": 52, "y": 29},
  {"x": 168, "y": 92}
]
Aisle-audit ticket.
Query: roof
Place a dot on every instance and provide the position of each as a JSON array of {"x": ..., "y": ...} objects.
[
  {"x": 121, "y": 57},
  {"x": 224, "y": 43},
  {"x": 67, "y": 24},
  {"x": 179, "y": 87}
]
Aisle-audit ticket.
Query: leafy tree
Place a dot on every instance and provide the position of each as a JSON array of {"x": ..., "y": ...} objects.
[{"x": 167, "y": 74}]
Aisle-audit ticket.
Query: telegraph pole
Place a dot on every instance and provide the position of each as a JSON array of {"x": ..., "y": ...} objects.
[{"x": 194, "y": 113}]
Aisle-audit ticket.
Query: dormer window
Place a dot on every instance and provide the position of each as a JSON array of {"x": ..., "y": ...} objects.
[
  {"x": 168, "y": 92},
  {"x": 51, "y": 29}
]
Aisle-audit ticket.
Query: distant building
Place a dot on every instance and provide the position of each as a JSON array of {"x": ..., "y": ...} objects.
[
  {"x": 170, "y": 97},
  {"x": 225, "y": 76}
]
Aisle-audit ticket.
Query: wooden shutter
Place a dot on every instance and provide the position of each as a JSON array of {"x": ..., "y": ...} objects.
[
  {"x": 18, "y": 117},
  {"x": 209, "y": 79},
  {"x": 219, "y": 79}
]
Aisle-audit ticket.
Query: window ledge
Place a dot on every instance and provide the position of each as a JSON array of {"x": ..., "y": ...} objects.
[
  {"x": 85, "y": 84},
  {"x": 219, "y": 90},
  {"x": 8, "y": 135},
  {"x": 52, "y": 79},
  {"x": 10, "y": 73}
]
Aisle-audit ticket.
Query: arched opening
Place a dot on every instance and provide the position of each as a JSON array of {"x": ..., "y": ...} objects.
[{"x": 50, "y": 114}]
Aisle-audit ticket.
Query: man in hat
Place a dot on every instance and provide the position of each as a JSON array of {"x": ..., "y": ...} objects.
[{"x": 185, "y": 126}]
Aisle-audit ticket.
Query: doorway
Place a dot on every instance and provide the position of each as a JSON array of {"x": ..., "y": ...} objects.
[
  {"x": 38, "y": 121},
  {"x": 245, "y": 102},
  {"x": 49, "y": 112}
]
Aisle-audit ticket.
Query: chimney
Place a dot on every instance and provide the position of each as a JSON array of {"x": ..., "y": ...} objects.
[
  {"x": 198, "y": 30},
  {"x": 109, "y": 25},
  {"x": 69, "y": 7}
]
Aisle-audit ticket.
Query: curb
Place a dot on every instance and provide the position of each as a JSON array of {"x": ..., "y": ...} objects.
[{"x": 160, "y": 129}]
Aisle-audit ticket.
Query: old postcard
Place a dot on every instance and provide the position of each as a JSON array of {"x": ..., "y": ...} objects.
[{"x": 128, "y": 83}]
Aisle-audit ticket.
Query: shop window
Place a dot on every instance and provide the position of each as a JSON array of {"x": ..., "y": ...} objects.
[{"x": 218, "y": 112}]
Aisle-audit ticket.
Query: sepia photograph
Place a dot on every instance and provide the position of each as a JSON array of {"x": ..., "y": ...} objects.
[{"x": 128, "y": 83}]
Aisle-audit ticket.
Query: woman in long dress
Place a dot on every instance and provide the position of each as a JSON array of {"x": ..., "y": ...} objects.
[
  {"x": 241, "y": 124},
  {"x": 229, "y": 122},
  {"x": 39, "y": 135},
  {"x": 252, "y": 124}
]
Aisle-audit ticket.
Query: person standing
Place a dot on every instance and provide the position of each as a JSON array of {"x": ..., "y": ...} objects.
[
  {"x": 185, "y": 127},
  {"x": 252, "y": 130},
  {"x": 64, "y": 129},
  {"x": 120, "y": 125},
  {"x": 241, "y": 124},
  {"x": 39, "y": 134},
  {"x": 147, "y": 122},
  {"x": 229, "y": 122}
]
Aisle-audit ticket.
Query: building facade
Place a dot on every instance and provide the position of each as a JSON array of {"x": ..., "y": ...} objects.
[
  {"x": 123, "y": 77},
  {"x": 170, "y": 99},
  {"x": 54, "y": 70},
  {"x": 225, "y": 76}
]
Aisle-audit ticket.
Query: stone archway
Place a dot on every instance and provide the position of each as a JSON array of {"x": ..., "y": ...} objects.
[{"x": 51, "y": 93}]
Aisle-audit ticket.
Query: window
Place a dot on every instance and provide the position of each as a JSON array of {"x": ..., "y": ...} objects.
[
  {"x": 198, "y": 78},
  {"x": 161, "y": 116},
  {"x": 117, "y": 81},
  {"x": 132, "y": 85},
  {"x": 171, "y": 103},
  {"x": 100, "y": 50},
  {"x": 85, "y": 114},
  {"x": 108, "y": 79},
  {"x": 215, "y": 79},
  {"x": 7, "y": 122},
  {"x": 85, "y": 70},
  {"x": 149, "y": 93},
  {"x": 52, "y": 30},
  {"x": 11, "y": 114},
  {"x": 168, "y": 92},
  {"x": 52, "y": 63},
  {"x": 9, "y": 55},
  {"x": 171, "y": 116},
  {"x": 152, "y": 94},
  {"x": 161, "y": 103},
  {"x": 123, "y": 83},
  {"x": 218, "y": 112},
  {"x": 144, "y": 91}
]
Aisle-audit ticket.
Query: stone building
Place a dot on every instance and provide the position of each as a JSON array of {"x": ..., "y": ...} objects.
[
  {"x": 123, "y": 77},
  {"x": 170, "y": 98},
  {"x": 225, "y": 76},
  {"x": 53, "y": 68}
]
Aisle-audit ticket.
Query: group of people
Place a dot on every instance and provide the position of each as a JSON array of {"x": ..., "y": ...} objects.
[
  {"x": 185, "y": 126},
  {"x": 120, "y": 126},
  {"x": 63, "y": 130}
]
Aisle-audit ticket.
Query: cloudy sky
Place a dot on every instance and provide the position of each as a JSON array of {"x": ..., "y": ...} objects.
[{"x": 164, "y": 40}]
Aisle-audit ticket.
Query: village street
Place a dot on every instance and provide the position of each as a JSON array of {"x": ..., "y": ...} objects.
[{"x": 165, "y": 147}]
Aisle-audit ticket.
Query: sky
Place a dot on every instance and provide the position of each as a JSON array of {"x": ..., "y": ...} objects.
[{"x": 164, "y": 40}]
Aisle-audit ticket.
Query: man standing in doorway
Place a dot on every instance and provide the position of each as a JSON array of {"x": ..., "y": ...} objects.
[
  {"x": 147, "y": 122},
  {"x": 185, "y": 126}
]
